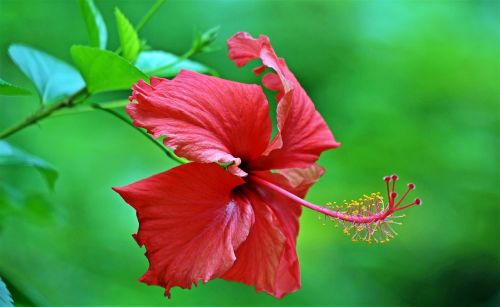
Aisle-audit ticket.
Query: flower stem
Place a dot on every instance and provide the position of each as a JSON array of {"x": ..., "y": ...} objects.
[
  {"x": 149, "y": 14},
  {"x": 42, "y": 113},
  {"x": 167, "y": 151}
]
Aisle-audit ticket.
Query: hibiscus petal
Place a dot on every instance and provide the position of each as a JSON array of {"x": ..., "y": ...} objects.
[
  {"x": 303, "y": 134},
  {"x": 206, "y": 119},
  {"x": 190, "y": 221},
  {"x": 299, "y": 180},
  {"x": 268, "y": 258},
  {"x": 258, "y": 259}
]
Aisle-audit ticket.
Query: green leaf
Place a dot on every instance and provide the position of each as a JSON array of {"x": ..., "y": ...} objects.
[
  {"x": 5, "y": 297},
  {"x": 165, "y": 64},
  {"x": 8, "y": 89},
  {"x": 95, "y": 24},
  {"x": 32, "y": 207},
  {"x": 203, "y": 41},
  {"x": 129, "y": 40},
  {"x": 104, "y": 70},
  {"x": 9, "y": 155},
  {"x": 54, "y": 79}
]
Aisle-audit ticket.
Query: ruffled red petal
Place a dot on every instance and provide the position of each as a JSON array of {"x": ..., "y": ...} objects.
[
  {"x": 303, "y": 134},
  {"x": 268, "y": 258},
  {"x": 259, "y": 258},
  {"x": 205, "y": 119},
  {"x": 191, "y": 223},
  {"x": 299, "y": 180}
]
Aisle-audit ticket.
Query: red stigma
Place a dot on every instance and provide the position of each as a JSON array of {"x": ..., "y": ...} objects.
[{"x": 392, "y": 195}]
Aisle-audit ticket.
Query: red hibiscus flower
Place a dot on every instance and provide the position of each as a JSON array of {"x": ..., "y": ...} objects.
[{"x": 225, "y": 214}]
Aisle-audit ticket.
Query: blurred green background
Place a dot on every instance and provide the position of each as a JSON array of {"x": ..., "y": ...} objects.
[{"x": 411, "y": 87}]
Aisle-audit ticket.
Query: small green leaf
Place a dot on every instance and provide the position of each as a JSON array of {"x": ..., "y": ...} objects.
[
  {"x": 9, "y": 155},
  {"x": 5, "y": 297},
  {"x": 129, "y": 40},
  {"x": 53, "y": 78},
  {"x": 104, "y": 70},
  {"x": 203, "y": 41},
  {"x": 8, "y": 89},
  {"x": 165, "y": 64},
  {"x": 95, "y": 24}
]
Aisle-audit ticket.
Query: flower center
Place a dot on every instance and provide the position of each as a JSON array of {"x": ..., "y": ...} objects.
[{"x": 361, "y": 219}]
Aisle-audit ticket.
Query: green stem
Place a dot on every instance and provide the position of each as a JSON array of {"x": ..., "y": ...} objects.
[
  {"x": 84, "y": 108},
  {"x": 42, "y": 113},
  {"x": 149, "y": 14},
  {"x": 169, "y": 153}
]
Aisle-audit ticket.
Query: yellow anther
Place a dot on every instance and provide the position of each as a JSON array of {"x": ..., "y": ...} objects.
[{"x": 375, "y": 232}]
